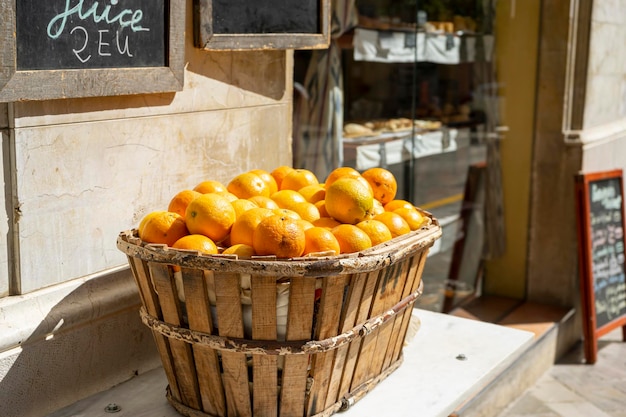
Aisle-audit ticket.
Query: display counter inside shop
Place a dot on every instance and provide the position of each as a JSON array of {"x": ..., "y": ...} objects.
[
  {"x": 390, "y": 148},
  {"x": 395, "y": 46}
]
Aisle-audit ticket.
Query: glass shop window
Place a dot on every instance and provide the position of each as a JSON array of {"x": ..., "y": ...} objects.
[{"x": 410, "y": 86}]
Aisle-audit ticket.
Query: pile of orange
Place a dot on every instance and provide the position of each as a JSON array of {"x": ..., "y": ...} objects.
[{"x": 285, "y": 213}]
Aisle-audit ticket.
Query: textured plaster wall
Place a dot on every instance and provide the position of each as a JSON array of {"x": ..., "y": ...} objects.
[
  {"x": 89, "y": 168},
  {"x": 605, "y": 100}
]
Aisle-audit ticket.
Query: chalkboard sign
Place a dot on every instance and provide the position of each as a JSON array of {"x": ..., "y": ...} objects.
[
  {"x": 87, "y": 34},
  {"x": 261, "y": 24},
  {"x": 83, "y": 48},
  {"x": 602, "y": 255}
]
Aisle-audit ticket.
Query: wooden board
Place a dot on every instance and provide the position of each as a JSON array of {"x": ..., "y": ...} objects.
[
  {"x": 262, "y": 24},
  {"x": 59, "y": 49},
  {"x": 600, "y": 208}
]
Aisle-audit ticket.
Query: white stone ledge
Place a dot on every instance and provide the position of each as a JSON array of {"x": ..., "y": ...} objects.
[
  {"x": 38, "y": 315},
  {"x": 597, "y": 135}
]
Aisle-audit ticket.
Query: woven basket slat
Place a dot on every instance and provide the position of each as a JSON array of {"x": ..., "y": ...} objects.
[
  {"x": 184, "y": 367},
  {"x": 236, "y": 389},
  {"x": 150, "y": 301},
  {"x": 230, "y": 324},
  {"x": 229, "y": 308},
  {"x": 265, "y": 383},
  {"x": 265, "y": 368},
  {"x": 333, "y": 289},
  {"x": 299, "y": 325},
  {"x": 391, "y": 293},
  {"x": 350, "y": 319},
  {"x": 206, "y": 359},
  {"x": 401, "y": 322},
  {"x": 396, "y": 322},
  {"x": 369, "y": 281},
  {"x": 347, "y": 322},
  {"x": 368, "y": 345}
]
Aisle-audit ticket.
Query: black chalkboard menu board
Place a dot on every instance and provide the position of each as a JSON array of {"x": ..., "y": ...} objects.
[
  {"x": 55, "y": 35},
  {"x": 83, "y": 48},
  {"x": 600, "y": 206},
  {"x": 261, "y": 24}
]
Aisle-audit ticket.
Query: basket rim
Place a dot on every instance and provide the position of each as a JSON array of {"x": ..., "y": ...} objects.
[{"x": 371, "y": 259}]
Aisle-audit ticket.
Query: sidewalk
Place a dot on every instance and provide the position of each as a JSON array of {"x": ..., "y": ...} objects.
[{"x": 572, "y": 389}]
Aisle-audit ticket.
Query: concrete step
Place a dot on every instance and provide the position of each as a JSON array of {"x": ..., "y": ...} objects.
[{"x": 546, "y": 322}]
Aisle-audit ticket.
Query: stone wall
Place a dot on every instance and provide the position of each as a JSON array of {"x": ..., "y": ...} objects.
[{"x": 605, "y": 100}]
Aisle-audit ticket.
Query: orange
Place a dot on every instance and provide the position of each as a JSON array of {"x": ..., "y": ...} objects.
[
  {"x": 244, "y": 226},
  {"x": 279, "y": 235},
  {"x": 320, "y": 239},
  {"x": 241, "y": 206},
  {"x": 267, "y": 178},
  {"x": 396, "y": 204},
  {"x": 287, "y": 213},
  {"x": 211, "y": 215},
  {"x": 313, "y": 193},
  {"x": 377, "y": 209},
  {"x": 396, "y": 224},
  {"x": 279, "y": 173},
  {"x": 340, "y": 172},
  {"x": 201, "y": 243},
  {"x": 287, "y": 198},
  {"x": 351, "y": 238},
  {"x": 376, "y": 230},
  {"x": 178, "y": 204},
  {"x": 298, "y": 178},
  {"x": 162, "y": 227},
  {"x": 210, "y": 186},
  {"x": 229, "y": 196},
  {"x": 348, "y": 200},
  {"x": 327, "y": 222},
  {"x": 262, "y": 201},
  {"x": 241, "y": 250},
  {"x": 306, "y": 211},
  {"x": 413, "y": 217},
  {"x": 198, "y": 243},
  {"x": 247, "y": 185},
  {"x": 305, "y": 224},
  {"x": 383, "y": 184},
  {"x": 321, "y": 206}
]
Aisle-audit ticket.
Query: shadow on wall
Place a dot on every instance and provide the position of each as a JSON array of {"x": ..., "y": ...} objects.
[{"x": 90, "y": 341}]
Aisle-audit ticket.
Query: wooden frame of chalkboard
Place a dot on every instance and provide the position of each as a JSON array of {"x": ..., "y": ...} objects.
[
  {"x": 263, "y": 24},
  {"x": 23, "y": 79},
  {"x": 600, "y": 209}
]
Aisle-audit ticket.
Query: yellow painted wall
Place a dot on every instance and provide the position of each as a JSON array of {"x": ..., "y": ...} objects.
[{"x": 517, "y": 33}]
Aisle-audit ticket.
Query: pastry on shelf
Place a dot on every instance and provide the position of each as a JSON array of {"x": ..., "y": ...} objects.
[
  {"x": 355, "y": 130},
  {"x": 391, "y": 125},
  {"x": 428, "y": 124}
]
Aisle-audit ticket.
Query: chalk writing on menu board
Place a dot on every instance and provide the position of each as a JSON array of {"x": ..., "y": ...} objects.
[
  {"x": 78, "y": 34},
  {"x": 607, "y": 234}
]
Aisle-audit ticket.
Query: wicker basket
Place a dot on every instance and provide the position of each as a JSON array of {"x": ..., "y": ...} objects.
[{"x": 309, "y": 337}]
